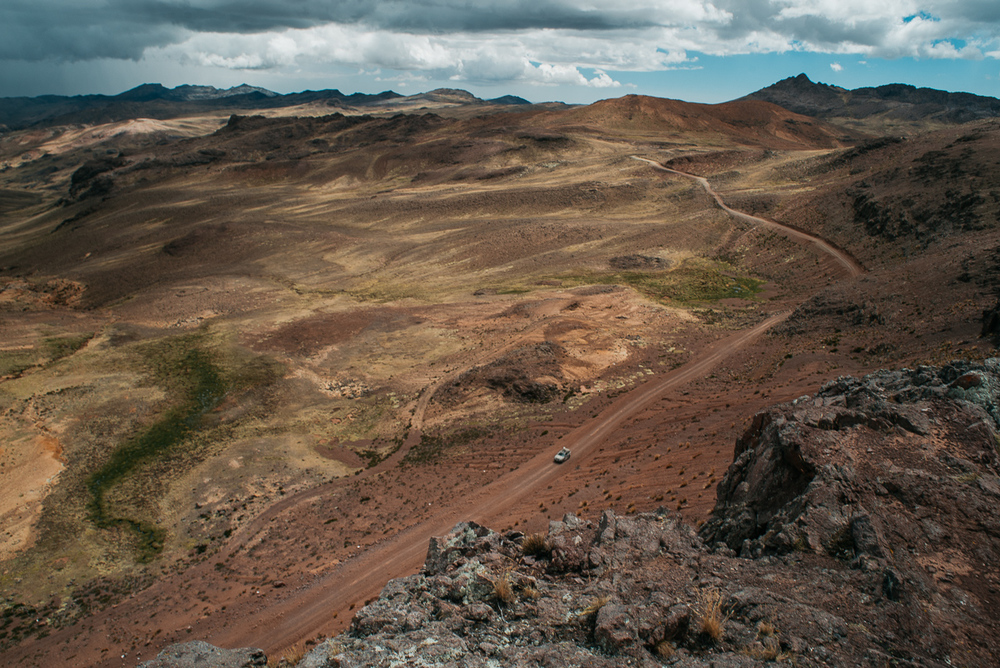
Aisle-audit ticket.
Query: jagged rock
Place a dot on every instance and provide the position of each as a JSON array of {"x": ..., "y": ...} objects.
[
  {"x": 462, "y": 539},
  {"x": 200, "y": 654},
  {"x": 799, "y": 481},
  {"x": 616, "y": 628},
  {"x": 569, "y": 544}
]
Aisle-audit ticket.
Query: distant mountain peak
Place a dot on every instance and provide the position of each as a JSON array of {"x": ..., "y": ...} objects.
[
  {"x": 899, "y": 102},
  {"x": 453, "y": 93},
  {"x": 509, "y": 99}
]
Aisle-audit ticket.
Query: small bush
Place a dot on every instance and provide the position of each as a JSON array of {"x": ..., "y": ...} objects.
[
  {"x": 535, "y": 545},
  {"x": 288, "y": 658},
  {"x": 766, "y": 629},
  {"x": 768, "y": 649},
  {"x": 713, "y": 622},
  {"x": 503, "y": 588}
]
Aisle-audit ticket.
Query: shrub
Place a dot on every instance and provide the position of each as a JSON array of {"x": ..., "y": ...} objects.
[
  {"x": 289, "y": 657},
  {"x": 664, "y": 649},
  {"x": 713, "y": 622},
  {"x": 503, "y": 588},
  {"x": 535, "y": 545}
]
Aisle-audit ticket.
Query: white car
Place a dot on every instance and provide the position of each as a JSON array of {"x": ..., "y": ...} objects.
[{"x": 562, "y": 456}]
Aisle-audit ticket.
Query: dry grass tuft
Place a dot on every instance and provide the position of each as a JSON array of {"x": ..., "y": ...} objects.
[
  {"x": 769, "y": 649},
  {"x": 594, "y": 606},
  {"x": 766, "y": 629},
  {"x": 535, "y": 545},
  {"x": 503, "y": 588},
  {"x": 713, "y": 621},
  {"x": 289, "y": 657},
  {"x": 664, "y": 649},
  {"x": 532, "y": 593}
]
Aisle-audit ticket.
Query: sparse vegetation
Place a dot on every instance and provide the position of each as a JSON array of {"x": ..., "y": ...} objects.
[
  {"x": 535, "y": 545},
  {"x": 51, "y": 349},
  {"x": 694, "y": 282},
  {"x": 595, "y": 605},
  {"x": 712, "y": 621},
  {"x": 397, "y": 269},
  {"x": 664, "y": 649},
  {"x": 287, "y": 658},
  {"x": 431, "y": 447},
  {"x": 766, "y": 629},
  {"x": 503, "y": 588},
  {"x": 768, "y": 649},
  {"x": 57, "y": 347},
  {"x": 204, "y": 388}
]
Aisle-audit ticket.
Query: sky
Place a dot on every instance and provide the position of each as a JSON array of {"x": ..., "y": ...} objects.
[{"x": 568, "y": 50}]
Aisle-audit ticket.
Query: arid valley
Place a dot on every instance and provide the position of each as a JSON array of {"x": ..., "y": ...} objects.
[{"x": 253, "y": 357}]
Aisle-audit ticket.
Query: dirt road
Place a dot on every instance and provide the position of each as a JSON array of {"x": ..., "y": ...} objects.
[
  {"x": 311, "y": 610},
  {"x": 852, "y": 266}
]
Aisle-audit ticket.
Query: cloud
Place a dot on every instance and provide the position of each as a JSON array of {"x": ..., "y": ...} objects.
[
  {"x": 535, "y": 41},
  {"x": 836, "y": 67}
]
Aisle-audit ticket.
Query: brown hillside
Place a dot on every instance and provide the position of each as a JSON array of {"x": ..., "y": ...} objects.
[{"x": 743, "y": 122}]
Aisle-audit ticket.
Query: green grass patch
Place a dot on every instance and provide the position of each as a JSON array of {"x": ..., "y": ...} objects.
[
  {"x": 57, "y": 347},
  {"x": 16, "y": 362},
  {"x": 383, "y": 293},
  {"x": 200, "y": 384},
  {"x": 52, "y": 349},
  {"x": 695, "y": 281}
]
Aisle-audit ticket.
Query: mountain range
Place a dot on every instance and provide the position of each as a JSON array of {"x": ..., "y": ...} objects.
[
  {"x": 158, "y": 102},
  {"x": 893, "y": 102},
  {"x": 896, "y": 101}
]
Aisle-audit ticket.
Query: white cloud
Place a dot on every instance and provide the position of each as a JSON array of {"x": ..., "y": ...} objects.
[
  {"x": 836, "y": 67},
  {"x": 535, "y": 57},
  {"x": 544, "y": 42}
]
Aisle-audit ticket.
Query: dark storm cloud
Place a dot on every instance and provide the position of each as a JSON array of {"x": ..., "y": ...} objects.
[
  {"x": 86, "y": 29},
  {"x": 617, "y": 35},
  {"x": 429, "y": 16}
]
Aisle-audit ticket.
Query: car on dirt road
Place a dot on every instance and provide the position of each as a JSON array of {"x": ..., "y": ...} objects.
[{"x": 562, "y": 456}]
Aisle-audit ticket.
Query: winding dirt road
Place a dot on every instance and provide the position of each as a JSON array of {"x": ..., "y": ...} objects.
[{"x": 852, "y": 266}]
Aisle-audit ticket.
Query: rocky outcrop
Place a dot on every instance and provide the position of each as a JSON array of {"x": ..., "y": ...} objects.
[
  {"x": 856, "y": 527},
  {"x": 199, "y": 654},
  {"x": 853, "y": 462}
]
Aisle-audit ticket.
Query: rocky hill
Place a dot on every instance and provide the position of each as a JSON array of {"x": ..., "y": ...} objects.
[
  {"x": 854, "y": 527},
  {"x": 899, "y": 102}
]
